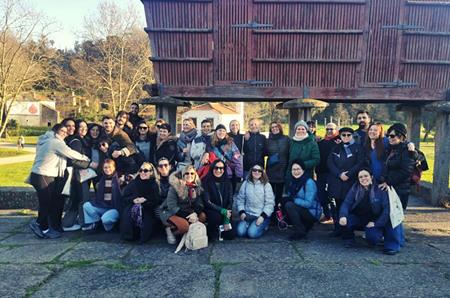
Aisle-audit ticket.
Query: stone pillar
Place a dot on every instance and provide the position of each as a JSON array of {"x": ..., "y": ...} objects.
[
  {"x": 168, "y": 113},
  {"x": 441, "y": 157},
  {"x": 413, "y": 122}
]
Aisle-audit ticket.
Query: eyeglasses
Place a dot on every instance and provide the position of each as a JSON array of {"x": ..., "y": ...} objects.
[
  {"x": 189, "y": 173},
  {"x": 392, "y": 136},
  {"x": 145, "y": 170},
  {"x": 219, "y": 168},
  {"x": 296, "y": 169},
  {"x": 346, "y": 135},
  {"x": 163, "y": 165},
  {"x": 143, "y": 127},
  {"x": 257, "y": 171}
]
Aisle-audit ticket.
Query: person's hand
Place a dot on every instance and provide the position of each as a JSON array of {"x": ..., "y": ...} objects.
[
  {"x": 411, "y": 146},
  {"x": 383, "y": 186},
  {"x": 116, "y": 154},
  {"x": 343, "y": 221},
  {"x": 192, "y": 217},
  {"x": 259, "y": 220},
  {"x": 139, "y": 200},
  {"x": 194, "y": 194},
  {"x": 243, "y": 216},
  {"x": 93, "y": 165},
  {"x": 370, "y": 224},
  {"x": 122, "y": 179},
  {"x": 185, "y": 150},
  {"x": 129, "y": 124},
  {"x": 338, "y": 141},
  {"x": 344, "y": 176},
  {"x": 205, "y": 158},
  {"x": 229, "y": 213}
]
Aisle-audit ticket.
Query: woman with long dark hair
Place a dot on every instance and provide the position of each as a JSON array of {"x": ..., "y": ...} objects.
[{"x": 223, "y": 147}]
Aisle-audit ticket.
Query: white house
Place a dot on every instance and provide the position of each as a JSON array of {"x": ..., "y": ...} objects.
[
  {"x": 32, "y": 112},
  {"x": 216, "y": 112}
]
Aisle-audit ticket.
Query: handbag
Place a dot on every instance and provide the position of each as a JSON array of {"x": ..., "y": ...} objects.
[
  {"x": 87, "y": 174},
  {"x": 66, "y": 188},
  {"x": 395, "y": 208}
]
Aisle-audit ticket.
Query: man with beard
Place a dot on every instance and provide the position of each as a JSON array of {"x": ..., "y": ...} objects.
[
  {"x": 201, "y": 143},
  {"x": 363, "y": 119}
]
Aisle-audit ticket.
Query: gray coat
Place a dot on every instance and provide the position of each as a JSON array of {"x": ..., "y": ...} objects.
[
  {"x": 278, "y": 156},
  {"x": 255, "y": 198}
]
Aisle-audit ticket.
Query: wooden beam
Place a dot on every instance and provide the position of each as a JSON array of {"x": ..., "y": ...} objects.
[
  {"x": 179, "y": 30},
  {"x": 434, "y": 62},
  {"x": 252, "y": 93},
  {"x": 304, "y": 60},
  {"x": 305, "y": 31},
  {"x": 313, "y": 1},
  {"x": 181, "y": 59},
  {"x": 427, "y": 3},
  {"x": 427, "y": 33}
]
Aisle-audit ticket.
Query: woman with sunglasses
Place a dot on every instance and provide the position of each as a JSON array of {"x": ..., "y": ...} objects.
[
  {"x": 138, "y": 220},
  {"x": 218, "y": 198},
  {"x": 366, "y": 207},
  {"x": 164, "y": 171},
  {"x": 343, "y": 163},
  {"x": 143, "y": 140},
  {"x": 302, "y": 207},
  {"x": 184, "y": 203},
  {"x": 255, "y": 203}
]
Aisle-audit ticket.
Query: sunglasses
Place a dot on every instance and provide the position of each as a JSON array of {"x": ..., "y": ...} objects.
[
  {"x": 143, "y": 127},
  {"x": 392, "y": 136},
  {"x": 163, "y": 165},
  {"x": 219, "y": 168},
  {"x": 257, "y": 170},
  {"x": 189, "y": 173},
  {"x": 329, "y": 129},
  {"x": 145, "y": 170},
  {"x": 345, "y": 135}
]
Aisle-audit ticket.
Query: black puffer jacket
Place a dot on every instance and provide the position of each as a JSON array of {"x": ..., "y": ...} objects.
[
  {"x": 217, "y": 197},
  {"x": 278, "y": 156},
  {"x": 398, "y": 168},
  {"x": 255, "y": 148}
]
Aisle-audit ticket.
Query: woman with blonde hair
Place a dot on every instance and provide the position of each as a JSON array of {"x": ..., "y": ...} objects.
[
  {"x": 184, "y": 203},
  {"x": 187, "y": 135},
  {"x": 141, "y": 199}
]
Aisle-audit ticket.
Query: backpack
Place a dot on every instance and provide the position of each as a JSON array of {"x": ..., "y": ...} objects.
[
  {"x": 195, "y": 238},
  {"x": 421, "y": 165}
]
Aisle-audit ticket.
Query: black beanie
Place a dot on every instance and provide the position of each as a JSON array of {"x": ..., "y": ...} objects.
[
  {"x": 399, "y": 129},
  {"x": 221, "y": 126}
]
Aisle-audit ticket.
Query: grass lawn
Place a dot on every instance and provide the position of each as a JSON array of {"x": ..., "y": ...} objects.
[
  {"x": 30, "y": 140},
  {"x": 15, "y": 174},
  {"x": 6, "y": 152}
]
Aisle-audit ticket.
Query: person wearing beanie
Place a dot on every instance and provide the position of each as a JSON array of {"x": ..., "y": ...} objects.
[
  {"x": 255, "y": 147},
  {"x": 201, "y": 143},
  {"x": 165, "y": 145},
  {"x": 303, "y": 147},
  {"x": 344, "y": 162}
]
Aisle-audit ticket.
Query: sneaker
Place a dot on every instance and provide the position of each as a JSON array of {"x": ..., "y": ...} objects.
[
  {"x": 51, "y": 234},
  {"x": 36, "y": 229},
  {"x": 170, "y": 236},
  {"x": 89, "y": 227},
  {"x": 390, "y": 252},
  {"x": 75, "y": 227},
  {"x": 327, "y": 220}
]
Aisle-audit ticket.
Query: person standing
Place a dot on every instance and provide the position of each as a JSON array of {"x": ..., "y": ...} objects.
[
  {"x": 134, "y": 114},
  {"x": 238, "y": 139},
  {"x": 201, "y": 143},
  {"x": 223, "y": 148},
  {"x": 255, "y": 147},
  {"x": 122, "y": 122},
  {"x": 363, "y": 119},
  {"x": 47, "y": 177},
  {"x": 187, "y": 135}
]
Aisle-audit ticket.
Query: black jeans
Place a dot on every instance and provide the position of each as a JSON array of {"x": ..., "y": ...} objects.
[
  {"x": 215, "y": 219},
  {"x": 50, "y": 201},
  {"x": 300, "y": 217},
  {"x": 278, "y": 192}
]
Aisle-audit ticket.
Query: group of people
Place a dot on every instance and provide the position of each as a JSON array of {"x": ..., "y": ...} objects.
[{"x": 146, "y": 179}]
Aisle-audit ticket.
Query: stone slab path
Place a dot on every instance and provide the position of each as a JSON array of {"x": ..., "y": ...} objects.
[{"x": 102, "y": 265}]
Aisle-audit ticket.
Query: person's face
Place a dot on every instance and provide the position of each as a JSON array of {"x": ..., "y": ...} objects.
[
  {"x": 108, "y": 125},
  {"x": 297, "y": 171},
  {"x": 143, "y": 129},
  {"x": 189, "y": 176},
  {"x": 122, "y": 119},
  {"x": 257, "y": 173},
  {"x": 70, "y": 125},
  {"x": 221, "y": 133},
  {"x": 254, "y": 126},
  {"x": 312, "y": 128},
  {"x": 145, "y": 172},
  {"x": 346, "y": 137},
  {"x": 82, "y": 129},
  {"x": 363, "y": 119},
  {"x": 187, "y": 126},
  {"x": 274, "y": 129},
  {"x": 234, "y": 127},
  {"x": 163, "y": 134},
  {"x": 62, "y": 133},
  {"x": 330, "y": 130},
  {"x": 134, "y": 109},
  {"x": 364, "y": 178},
  {"x": 104, "y": 146},
  {"x": 206, "y": 128},
  {"x": 94, "y": 132},
  {"x": 394, "y": 139},
  {"x": 218, "y": 169},
  {"x": 374, "y": 132},
  {"x": 164, "y": 168},
  {"x": 108, "y": 169},
  {"x": 301, "y": 131}
]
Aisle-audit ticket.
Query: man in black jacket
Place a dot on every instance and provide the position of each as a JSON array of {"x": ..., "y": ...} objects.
[{"x": 255, "y": 147}]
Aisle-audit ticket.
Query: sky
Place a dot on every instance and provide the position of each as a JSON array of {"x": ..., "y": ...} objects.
[{"x": 69, "y": 14}]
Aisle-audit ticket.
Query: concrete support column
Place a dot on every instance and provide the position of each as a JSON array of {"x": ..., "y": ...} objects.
[
  {"x": 441, "y": 158},
  {"x": 168, "y": 113},
  {"x": 296, "y": 115},
  {"x": 413, "y": 122}
]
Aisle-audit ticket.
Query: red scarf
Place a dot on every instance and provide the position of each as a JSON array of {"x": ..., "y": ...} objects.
[{"x": 327, "y": 138}]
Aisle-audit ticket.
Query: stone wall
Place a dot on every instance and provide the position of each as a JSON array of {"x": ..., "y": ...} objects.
[{"x": 18, "y": 198}]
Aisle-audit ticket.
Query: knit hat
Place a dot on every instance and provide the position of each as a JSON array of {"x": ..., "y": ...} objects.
[
  {"x": 301, "y": 123},
  {"x": 399, "y": 128},
  {"x": 220, "y": 126},
  {"x": 346, "y": 129}
]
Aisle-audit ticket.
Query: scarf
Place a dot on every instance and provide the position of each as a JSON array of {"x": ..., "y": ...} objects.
[
  {"x": 328, "y": 138},
  {"x": 136, "y": 215},
  {"x": 348, "y": 152},
  {"x": 297, "y": 184},
  {"x": 186, "y": 138},
  {"x": 295, "y": 138},
  {"x": 191, "y": 190}
]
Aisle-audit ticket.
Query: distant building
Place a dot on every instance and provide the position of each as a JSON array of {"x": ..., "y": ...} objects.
[
  {"x": 216, "y": 112},
  {"x": 31, "y": 112}
]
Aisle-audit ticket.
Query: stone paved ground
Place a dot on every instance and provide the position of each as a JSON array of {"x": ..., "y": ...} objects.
[{"x": 104, "y": 266}]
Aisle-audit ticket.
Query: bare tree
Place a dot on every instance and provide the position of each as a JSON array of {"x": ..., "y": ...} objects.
[
  {"x": 23, "y": 34},
  {"x": 114, "y": 62}
]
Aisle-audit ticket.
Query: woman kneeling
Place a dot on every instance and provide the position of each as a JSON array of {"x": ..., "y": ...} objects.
[
  {"x": 255, "y": 203},
  {"x": 366, "y": 207}
]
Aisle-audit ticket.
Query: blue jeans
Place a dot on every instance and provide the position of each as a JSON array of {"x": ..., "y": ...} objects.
[
  {"x": 392, "y": 237},
  {"x": 250, "y": 229},
  {"x": 94, "y": 214}
]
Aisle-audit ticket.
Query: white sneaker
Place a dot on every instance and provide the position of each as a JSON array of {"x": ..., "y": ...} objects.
[
  {"x": 170, "y": 236},
  {"x": 75, "y": 227}
]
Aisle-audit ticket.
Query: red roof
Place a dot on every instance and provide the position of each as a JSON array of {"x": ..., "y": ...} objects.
[{"x": 218, "y": 107}]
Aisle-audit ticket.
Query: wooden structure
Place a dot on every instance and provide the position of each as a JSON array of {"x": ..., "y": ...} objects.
[{"x": 377, "y": 51}]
